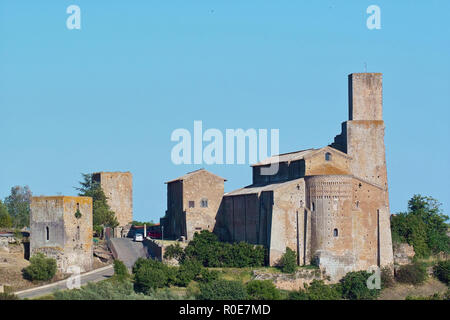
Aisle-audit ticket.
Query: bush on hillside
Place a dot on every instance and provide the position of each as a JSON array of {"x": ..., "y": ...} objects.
[
  {"x": 41, "y": 268},
  {"x": 414, "y": 273},
  {"x": 120, "y": 270},
  {"x": 387, "y": 278},
  {"x": 288, "y": 262},
  {"x": 174, "y": 251},
  {"x": 222, "y": 290},
  {"x": 354, "y": 286},
  {"x": 262, "y": 290},
  {"x": 210, "y": 252},
  {"x": 317, "y": 290},
  {"x": 442, "y": 271}
]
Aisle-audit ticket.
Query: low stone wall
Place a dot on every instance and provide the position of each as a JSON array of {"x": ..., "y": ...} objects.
[
  {"x": 295, "y": 281},
  {"x": 154, "y": 249}
]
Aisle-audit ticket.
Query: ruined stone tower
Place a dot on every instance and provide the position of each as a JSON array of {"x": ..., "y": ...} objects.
[
  {"x": 61, "y": 228},
  {"x": 118, "y": 189}
]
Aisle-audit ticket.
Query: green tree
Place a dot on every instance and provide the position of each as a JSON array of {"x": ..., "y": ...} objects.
[
  {"x": 120, "y": 270},
  {"x": 103, "y": 216},
  {"x": 354, "y": 286},
  {"x": 150, "y": 274},
  {"x": 5, "y": 218},
  {"x": 174, "y": 251},
  {"x": 222, "y": 290},
  {"x": 206, "y": 248},
  {"x": 262, "y": 290},
  {"x": 422, "y": 226},
  {"x": 317, "y": 290},
  {"x": 18, "y": 205},
  {"x": 41, "y": 268},
  {"x": 288, "y": 262},
  {"x": 189, "y": 270}
]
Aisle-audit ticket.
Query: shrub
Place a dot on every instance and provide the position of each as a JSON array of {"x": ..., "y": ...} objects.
[
  {"x": 120, "y": 270},
  {"x": 174, "y": 251},
  {"x": 41, "y": 268},
  {"x": 298, "y": 295},
  {"x": 262, "y": 290},
  {"x": 150, "y": 274},
  {"x": 210, "y": 252},
  {"x": 208, "y": 275},
  {"x": 317, "y": 290},
  {"x": 354, "y": 286},
  {"x": 442, "y": 271},
  {"x": 103, "y": 290},
  {"x": 387, "y": 279},
  {"x": 222, "y": 290},
  {"x": 288, "y": 262},
  {"x": 414, "y": 273},
  {"x": 188, "y": 271},
  {"x": 8, "y": 296}
]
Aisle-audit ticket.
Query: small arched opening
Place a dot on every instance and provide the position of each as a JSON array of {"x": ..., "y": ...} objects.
[
  {"x": 335, "y": 232},
  {"x": 47, "y": 233}
]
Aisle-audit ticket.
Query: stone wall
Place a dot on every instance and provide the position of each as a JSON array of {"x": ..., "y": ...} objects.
[
  {"x": 58, "y": 233},
  {"x": 202, "y": 186},
  {"x": 118, "y": 188},
  {"x": 295, "y": 281}
]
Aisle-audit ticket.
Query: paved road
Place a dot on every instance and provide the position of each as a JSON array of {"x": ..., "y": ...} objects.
[
  {"x": 128, "y": 251},
  {"x": 92, "y": 276}
]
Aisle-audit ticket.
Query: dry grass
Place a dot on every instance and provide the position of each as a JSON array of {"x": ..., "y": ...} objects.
[{"x": 401, "y": 291}]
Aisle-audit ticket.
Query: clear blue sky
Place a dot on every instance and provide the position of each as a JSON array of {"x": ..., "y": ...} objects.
[{"x": 107, "y": 97}]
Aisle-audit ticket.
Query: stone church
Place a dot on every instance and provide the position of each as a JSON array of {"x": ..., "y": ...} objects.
[{"x": 330, "y": 205}]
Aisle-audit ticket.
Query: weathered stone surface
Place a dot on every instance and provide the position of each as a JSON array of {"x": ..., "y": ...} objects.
[
  {"x": 118, "y": 188},
  {"x": 295, "y": 281},
  {"x": 330, "y": 205},
  {"x": 403, "y": 253},
  {"x": 192, "y": 204},
  {"x": 57, "y": 232}
]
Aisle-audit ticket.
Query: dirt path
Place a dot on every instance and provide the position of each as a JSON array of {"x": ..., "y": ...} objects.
[{"x": 401, "y": 291}]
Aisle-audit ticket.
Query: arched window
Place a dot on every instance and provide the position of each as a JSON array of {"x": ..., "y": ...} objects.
[
  {"x": 335, "y": 232},
  {"x": 47, "y": 233},
  {"x": 327, "y": 156},
  {"x": 313, "y": 206}
]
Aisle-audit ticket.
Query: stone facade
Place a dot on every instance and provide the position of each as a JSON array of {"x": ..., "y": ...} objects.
[
  {"x": 61, "y": 228},
  {"x": 192, "y": 204},
  {"x": 330, "y": 205},
  {"x": 118, "y": 188}
]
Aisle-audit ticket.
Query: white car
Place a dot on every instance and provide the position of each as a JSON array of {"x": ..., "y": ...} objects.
[{"x": 138, "y": 237}]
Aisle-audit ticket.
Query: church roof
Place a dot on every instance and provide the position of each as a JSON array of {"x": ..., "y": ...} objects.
[
  {"x": 296, "y": 155},
  {"x": 260, "y": 188},
  {"x": 285, "y": 157},
  {"x": 193, "y": 173}
]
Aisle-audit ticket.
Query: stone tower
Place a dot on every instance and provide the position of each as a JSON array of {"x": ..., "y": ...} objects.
[
  {"x": 61, "y": 228},
  {"x": 118, "y": 188},
  {"x": 362, "y": 138}
]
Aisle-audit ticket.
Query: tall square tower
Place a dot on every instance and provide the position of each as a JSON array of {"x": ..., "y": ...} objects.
[
  {"x": 118, "y": 189},
  {"x": 61, "y": 228}
]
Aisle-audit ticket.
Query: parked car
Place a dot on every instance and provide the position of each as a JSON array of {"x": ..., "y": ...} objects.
[{"x": 138, "y": 237}]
